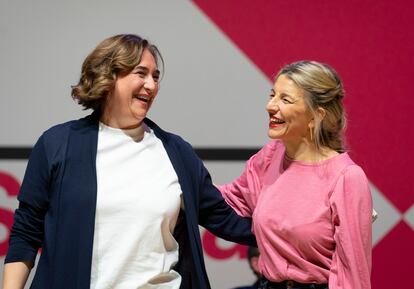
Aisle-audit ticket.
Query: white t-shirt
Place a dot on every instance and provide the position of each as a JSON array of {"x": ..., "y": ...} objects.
[{"x": 138, "y": 202}]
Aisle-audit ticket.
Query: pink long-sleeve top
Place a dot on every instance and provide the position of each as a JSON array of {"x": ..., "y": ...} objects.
[{"x": 312, "y": 221}]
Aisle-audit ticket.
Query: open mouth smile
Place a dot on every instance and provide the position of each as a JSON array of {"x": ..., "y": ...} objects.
[
  {"x": 275, "y": 120},
  {"x": 144, "y": 98}
]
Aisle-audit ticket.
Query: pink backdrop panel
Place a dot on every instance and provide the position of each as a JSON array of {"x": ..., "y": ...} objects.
[{"x": 371, "y": 45}]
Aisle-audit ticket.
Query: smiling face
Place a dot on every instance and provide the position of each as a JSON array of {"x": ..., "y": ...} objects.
[
  {"x": 133, "y": 94},
  {"x": 289, "y": 116}
]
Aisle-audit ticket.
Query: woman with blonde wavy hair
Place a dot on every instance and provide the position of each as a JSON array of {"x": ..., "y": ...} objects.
[
  {"x": 310, "y": 203},
  {"x": 113, "y": 200}
]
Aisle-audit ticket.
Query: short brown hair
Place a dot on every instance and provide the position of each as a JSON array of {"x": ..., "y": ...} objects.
[
  {"x": 115, "y": 55},
  {"x": 323, "y": 88}
]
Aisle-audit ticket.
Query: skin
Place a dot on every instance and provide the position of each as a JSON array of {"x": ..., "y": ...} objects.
[
  {"x": 134, "y": 92},
  {"x": 290, "y": 120},
  {"x": 15, "y": 274},
  {"x": 254, "y": 264},
  {"x": 127, "y": 106}
]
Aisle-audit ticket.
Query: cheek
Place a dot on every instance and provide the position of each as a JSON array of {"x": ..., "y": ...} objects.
[
  {"x": 303, "y": 121},
  {"x": 293, "y": 119},
  {"x": 122, "y": 93},
  {"x": 156, "y": 91},
  {"x": 286, "y": 112}
]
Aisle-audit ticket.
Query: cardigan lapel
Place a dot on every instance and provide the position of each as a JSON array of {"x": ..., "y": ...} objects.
[
  {"x": 78, "y": 202},
  {"x": 176, "y": 161},
  {"x": 189, "y": 183},
  {"x": 185, "y": 161}
]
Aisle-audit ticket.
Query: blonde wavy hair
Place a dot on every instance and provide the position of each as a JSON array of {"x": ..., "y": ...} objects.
[
  {"x": 323, "y": 89},
  {"x": 115, "y": 55}
]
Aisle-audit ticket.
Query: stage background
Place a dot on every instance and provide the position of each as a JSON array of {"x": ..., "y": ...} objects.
[{"x": 220, "y": 59}]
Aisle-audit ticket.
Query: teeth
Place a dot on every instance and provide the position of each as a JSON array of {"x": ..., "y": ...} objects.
[
  {"x": 143, "y": 98},
  {"x": 273, "y": 120}
]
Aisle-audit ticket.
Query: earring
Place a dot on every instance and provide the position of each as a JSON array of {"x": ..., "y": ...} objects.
[{"x": 311, "y": 133}]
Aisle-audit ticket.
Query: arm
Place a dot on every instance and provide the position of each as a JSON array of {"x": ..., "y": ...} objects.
[
  {"x": 218, "y": 217},
  {"x": 15, "y": 274},
  {"x": 27, "y": 231},
  {"x": 235, "y": 194},
  {"x": 242, "y": 193},
  {"x": 351, "y": 204}
]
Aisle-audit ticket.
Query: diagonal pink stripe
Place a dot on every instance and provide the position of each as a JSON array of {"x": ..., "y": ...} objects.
[
  {"x": 370, "y": 43},
  {"x": 393, "y": 258}
]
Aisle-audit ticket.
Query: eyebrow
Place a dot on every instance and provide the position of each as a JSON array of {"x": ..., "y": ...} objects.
[
  {"x": 282, "y": 94},
  {"x": 288, "y": 95},
  {"x": 157, "y": 71}
]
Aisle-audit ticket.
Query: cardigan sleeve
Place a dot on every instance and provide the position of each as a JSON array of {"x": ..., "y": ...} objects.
[
  {"x": 351, "y": 204},
  {"x": 27, "y": 231},
  {"x": 218, "y": 217},
  {"x": 203, "y": 203},
  {"x": 242, "y": 193}
]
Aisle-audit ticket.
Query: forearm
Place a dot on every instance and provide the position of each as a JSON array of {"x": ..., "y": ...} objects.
[{"x": 15, "y": 274}]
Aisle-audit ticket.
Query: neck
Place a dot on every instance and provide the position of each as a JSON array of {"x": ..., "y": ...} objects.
[
  {"x": 136, "y": 133},
  {"x": 111, "y": 118},
  {"x": 133, "y": 128},
  {"x": 306, "y": 151},
  {"x": 117, "y": 123}
]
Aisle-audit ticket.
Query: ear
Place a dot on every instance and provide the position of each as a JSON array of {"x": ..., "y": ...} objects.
[{"x": 320, "y": 114}]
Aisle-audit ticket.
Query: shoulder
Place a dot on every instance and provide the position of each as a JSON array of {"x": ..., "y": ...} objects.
[
  {"x": 273, "y": 146},
  {"x": 351, "y": 180},
  {"x": 58, "y": 129},
  {"x": 267, "y": 153},
  {"x": 169, "y": 138},
  {"x": 354, "y": 173},
  {"x": 55, "y": 139},
  {"x": 179, "y": 140},
  {"x": 352, "y": 191},
  {"x": 347, "y": 168},
  {"x": 178, "y": 149},
  {"x": 61, "y": 129}
]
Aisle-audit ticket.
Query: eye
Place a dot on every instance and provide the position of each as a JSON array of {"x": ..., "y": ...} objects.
[
  {"x": 140, "y": 73},
  {"x": 156, "y": 77},
  {"x": 286, "y": 100}
]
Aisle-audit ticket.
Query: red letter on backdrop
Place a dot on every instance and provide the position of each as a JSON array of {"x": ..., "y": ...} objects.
[
  {"x": 214, "y": 251},
  {"x": 11, "y": 186}
]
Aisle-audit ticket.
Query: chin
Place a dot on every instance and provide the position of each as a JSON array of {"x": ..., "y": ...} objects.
[
  {"x": 139, "y": 115},
  {"x": 273, "y": 135}
]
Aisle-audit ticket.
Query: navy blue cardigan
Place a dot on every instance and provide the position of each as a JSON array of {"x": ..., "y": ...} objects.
[{"x": 57, "y": 203}]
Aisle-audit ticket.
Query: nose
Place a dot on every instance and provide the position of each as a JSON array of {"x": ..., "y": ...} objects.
[
  {"x": 272, "y": 105},
  {"x": 150, "y": 84}
]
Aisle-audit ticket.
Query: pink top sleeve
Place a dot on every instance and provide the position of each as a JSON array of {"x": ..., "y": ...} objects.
[
  {"x": 351, "y": 205},
  {"x": 242, "y": 193}
]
